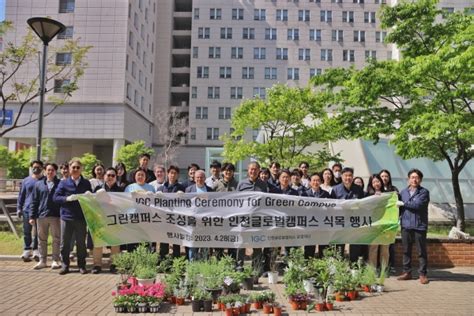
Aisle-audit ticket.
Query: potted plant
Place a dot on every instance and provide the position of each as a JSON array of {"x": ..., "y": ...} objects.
[
  {"x": 145, "y": 274},
  {"x": 207, "y": 301},
  {"x": 368, "y": 277},
  {"x": 142, "y": 303},
  {"x": 267, "y": 308},
  {"x": 120, "y": 303},
  {"x": 180, "y": 294},
  {"x": 273, "y": 273},
  {"x": 248, "y": 278},
  {"x": 277, "y": 309},
  {"x": 132, "y": 305},
  {"x": 329, "y": 305},
  {"x": 382, "y": 276},
  {"x": 197, "y": 299}
]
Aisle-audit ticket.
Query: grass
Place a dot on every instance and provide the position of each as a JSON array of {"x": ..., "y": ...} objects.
[{"x": 10, "y": 245}]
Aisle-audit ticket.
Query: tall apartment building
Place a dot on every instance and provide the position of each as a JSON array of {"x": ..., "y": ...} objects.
[
  {"x": 114, "y": 103},
  {"x": 223, "y": 52}
]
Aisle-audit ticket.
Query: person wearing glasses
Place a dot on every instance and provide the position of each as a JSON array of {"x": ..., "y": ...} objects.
[
  {"x": 110, "y": 185},
  {"x": 72, "y": 218}
]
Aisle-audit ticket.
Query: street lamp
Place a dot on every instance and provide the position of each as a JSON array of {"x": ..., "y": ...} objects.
[{"x": 46, "y": 29}]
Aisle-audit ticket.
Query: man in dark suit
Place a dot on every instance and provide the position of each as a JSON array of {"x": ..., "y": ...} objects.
[
  {"x": 414, "y": 222},
  {"x": 347, "y": 190},
  {"x": 315, "y": 191},
  {"x": 198, "y": 187},
  {"x": 143, "y": 161}
]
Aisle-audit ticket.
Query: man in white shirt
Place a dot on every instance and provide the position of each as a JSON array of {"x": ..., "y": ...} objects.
[
  {"x": 215, "y": 169},
  {"x": 160, "y": 172}
]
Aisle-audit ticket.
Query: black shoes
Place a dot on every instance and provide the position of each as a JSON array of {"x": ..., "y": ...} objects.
[
  {"x": 63, "y": 271},
  {"x": 96, "y": 270},
  {"x": 83, "y": 271},
  {"x": 113, "y": 269}
]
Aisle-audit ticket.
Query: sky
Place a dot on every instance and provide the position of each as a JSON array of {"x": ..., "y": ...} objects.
[{"x": 2, "y": 10}]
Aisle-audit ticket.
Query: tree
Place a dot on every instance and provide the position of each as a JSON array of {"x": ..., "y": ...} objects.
[
  {"x": 88, "y": 162},
  {"x": 424, "y": 100},
  {"x": 21, "y": 92},
  {"x": 289, "y": 120},
  {"x": 128, "y": 154},
  {"x": 172, "y": 126}
]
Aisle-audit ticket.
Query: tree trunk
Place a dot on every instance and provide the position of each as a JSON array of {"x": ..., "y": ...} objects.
[{"x": 460, "y": 218}]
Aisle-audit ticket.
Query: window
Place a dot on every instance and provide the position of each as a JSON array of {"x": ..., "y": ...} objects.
[
  {"x": 226, "y": 32},
  {"x": 215, "y": 14},
  {"x": 248, "y": 72},
  {"x": 304, "y": 54},
  {"x": 248, "y": 33},
  {"x": 59, "y": 85},
  {"x": 212, "y": 133},
  {"x": 348, "y": 55},
  {"x": 336, "y": 1},
  {"x": 282, "y": 15},
  {"x": 142, "y": 102},
  {"x": 67, "y": 33},
  {"x": 326, "y": 16},
  {"x": 315, "y": 72},
  {"x": 326, "y": 54},
  {"x": 259, "y": 92},
  {"x": 380, "y": 1},
  {"x": 293, "y": 74},
  {"x": 370, "y": 54},
  {"x": 282, "y": 53},
  {"x": 225, "y": 72},
  {"x": 195, "y": 52},
  {"x": 63, "y": 58},
  {"x": 135, "y": 98},
  {"x": 348, "y": 16},
  {"x": 192, "y": 133},
  {"x": 214, "y": 52},
  {"x": 358, "y": 1},
  {"x": 126, "y": 62},
  {"x": 129, "y": 91},
  {"x": 259, "y": 14},
  {"x": 140, "y": 78},
  {"x": 135, "y": 21},
  {"x": 236, "y": 92},
  {"x": 293, "y": 34},
  {"x": 213, "y": 92},
  {"x": 237, "y": 53},
  {"x": 259, "y": 53},
  {"x": 337, "y": 35},
  {"x": 255, "y": 133},
  {"x": 315, "y": 35},
  {"x": 380, "y": 36},
  {"x": 270, "y": 33},
  {"x": 139, "y": 50},
  {"x": 194, "y": 92},
  {"x": 271, "y": 73},
  {"x": 204, "y": 32},
  {"x": 237, "y": 14},
  {"x": 66, "y": 6},
  {"x": 134, "y": 70},
  {"x": 303, "y": 15},
  {"x": 201, "y": 113},
  {"x": 369, "y": 17},
  {"x": 196, "y": 13},
  {"x": 130, "y": 40},
  {"x": 203, "y": 72},
  {"x": 224, "y": 113},
  {"x": 447, "y": 10},
  {"x": 359, "y": 36}
]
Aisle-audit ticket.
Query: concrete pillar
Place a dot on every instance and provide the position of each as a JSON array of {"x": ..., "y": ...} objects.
[{"x": 118, "y": 143}]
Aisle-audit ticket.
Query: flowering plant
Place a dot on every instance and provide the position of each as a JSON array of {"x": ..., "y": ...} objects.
[{"x": 139, "y": 294}]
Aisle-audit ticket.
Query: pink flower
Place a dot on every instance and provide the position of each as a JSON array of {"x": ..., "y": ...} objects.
[{"x": 114, "y": 293}]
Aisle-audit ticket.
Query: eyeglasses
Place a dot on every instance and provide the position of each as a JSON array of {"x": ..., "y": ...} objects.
[
  {"x": 76, "y": 167},
  {"x": 111, "y": 175}
]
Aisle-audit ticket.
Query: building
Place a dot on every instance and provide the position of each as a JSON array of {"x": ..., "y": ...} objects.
[{"x": 114, "y": 103}]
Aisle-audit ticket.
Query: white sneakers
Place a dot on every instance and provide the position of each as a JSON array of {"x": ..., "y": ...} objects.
[
  {"x": 55, "y": 265},
  {"x": 40, "y": 265},
  {"x": 26, "y": 256},
  {"x": 36, "y": 255}
]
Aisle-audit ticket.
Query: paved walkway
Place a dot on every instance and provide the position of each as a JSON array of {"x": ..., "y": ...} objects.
[{"x": 25, "y": 291}]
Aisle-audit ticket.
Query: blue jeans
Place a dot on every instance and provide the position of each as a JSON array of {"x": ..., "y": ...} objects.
[
  {"x": 30, "y": 241},
  {"x": 193, "y": 253}
]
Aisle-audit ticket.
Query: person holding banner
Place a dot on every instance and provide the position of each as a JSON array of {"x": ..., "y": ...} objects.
[
  {"x": 414, "y": 222},
  {"x": 199, "y": 187},
  {"x": 72, "y": 218},
  {"x": 253, "y": 183},
  {"x": 228, "y": 184},
  {"x": 110, "y": 185},
  {"x": 172, "y": 186},
  {"x": 315, "y": 191},
  {"x": 347, "y": 190}
]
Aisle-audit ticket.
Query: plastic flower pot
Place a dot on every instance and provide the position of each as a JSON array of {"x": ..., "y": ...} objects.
[
  {"x": 155, "y": 308},
  {"x": 267, "y": 308},
  {"x": 119, "y": 309},
  {"x": 366, "y": 289},
  {"x": 303, "y": 305},
  {"x": 380, "y": 288},
  {"x": 352, "y": 295},
  {"x": 142, "y": 307},
  {"x": 196, "y": 305},
  {"x": 247, "y": 307},
  {"x": 340, "y": 297},
  {"x": 207, "y": 305},
  {"x": 173, "y": 299},
  {"x": 320, "y": 307},
  {"x": 247, "y": 284},
  {"x": 132, "y": 309},
  {"x": 277, "y": 311},
  {"x": 294, "y": 305},
  {"x": 145, "y": 282},
  {"x": 180, "y": 301},
  {"x": 228, "y": 311},
  {"x": 258, "y": 305},
  {"x": 236, "y": 311},
  {"x": 329, "y": 306}
]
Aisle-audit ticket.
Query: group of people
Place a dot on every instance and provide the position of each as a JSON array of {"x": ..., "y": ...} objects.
[{"x": 47, "y": 202}]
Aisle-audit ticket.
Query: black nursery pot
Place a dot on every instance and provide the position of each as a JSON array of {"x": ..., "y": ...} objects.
[
  {"x": 196, "y": 305},
  {"x": 207, "y": 305}
]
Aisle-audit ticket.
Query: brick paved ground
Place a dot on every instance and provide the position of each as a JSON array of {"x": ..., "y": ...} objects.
[{"x": 28, "y": 292}]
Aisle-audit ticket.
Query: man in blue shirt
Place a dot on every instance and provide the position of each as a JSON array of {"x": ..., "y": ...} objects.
[
  {"x": 414, "y": 222},
  {"x": 30, "y": 247}
]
